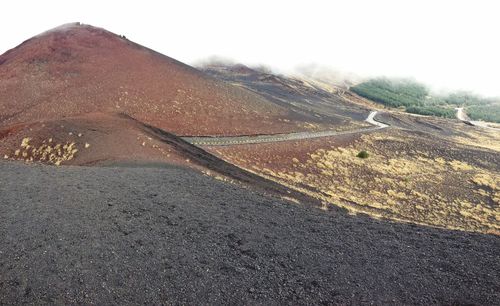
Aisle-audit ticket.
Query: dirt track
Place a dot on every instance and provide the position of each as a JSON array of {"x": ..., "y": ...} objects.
[{"x": 77, "y": 235}]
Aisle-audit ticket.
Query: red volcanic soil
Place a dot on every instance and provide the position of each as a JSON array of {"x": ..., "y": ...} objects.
[
  {"x": 77, "y": 69},
  {"x": 95, "y": 138}
]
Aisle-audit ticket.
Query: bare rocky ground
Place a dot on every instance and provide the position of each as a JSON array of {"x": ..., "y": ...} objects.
[{"x": 169, "y": 235}]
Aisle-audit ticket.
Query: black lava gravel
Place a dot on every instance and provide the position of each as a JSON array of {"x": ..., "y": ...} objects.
[{"x": 77, "y": 235}]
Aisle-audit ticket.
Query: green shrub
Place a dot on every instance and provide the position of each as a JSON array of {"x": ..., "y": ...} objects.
[{"x": 362, "y": 154}]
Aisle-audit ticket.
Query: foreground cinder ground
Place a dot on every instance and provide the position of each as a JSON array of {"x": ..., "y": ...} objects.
[{"x": 77, "y": 235}]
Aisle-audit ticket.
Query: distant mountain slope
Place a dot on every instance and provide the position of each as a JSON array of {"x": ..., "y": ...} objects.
[{"x": 322, "y": 103}]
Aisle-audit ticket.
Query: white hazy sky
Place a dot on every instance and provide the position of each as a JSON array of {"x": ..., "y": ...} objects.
[{"x": 447, "y": 44}]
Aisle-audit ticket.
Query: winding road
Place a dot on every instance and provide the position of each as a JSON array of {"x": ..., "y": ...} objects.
[
  {"x": 462, "y": 116},
  {"x": 252, "y": 139}
]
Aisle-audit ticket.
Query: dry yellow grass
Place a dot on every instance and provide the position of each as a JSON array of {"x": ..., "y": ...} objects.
[
  {"x": 52, "y": 154},
  {"x": 398, "y": 180},
  {"x": 483, "y": 138}
]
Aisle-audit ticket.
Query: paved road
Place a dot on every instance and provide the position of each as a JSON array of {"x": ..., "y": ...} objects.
[{"x": 236, "y": 140}]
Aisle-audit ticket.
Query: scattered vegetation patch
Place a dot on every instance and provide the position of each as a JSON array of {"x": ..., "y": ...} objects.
[
  {"x": 47, "y": 152},
  {"x": 408, "y": 177},
  {"x": 486, "y": 180},
  {"x": 483, "y": 138}
]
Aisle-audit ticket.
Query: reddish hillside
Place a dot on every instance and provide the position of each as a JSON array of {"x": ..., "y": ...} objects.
[
  {"x": 86, "y": 140},
  {"x": 76, "y": 69}
]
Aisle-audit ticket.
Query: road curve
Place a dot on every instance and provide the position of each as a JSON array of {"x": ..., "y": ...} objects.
[
  {"x": 252, "y": 139},
  {"x": 462, "y": 116}
]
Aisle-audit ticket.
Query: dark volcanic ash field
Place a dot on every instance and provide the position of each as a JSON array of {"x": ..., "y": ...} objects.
[{"x": 79, "y": 235}]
